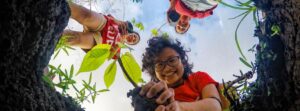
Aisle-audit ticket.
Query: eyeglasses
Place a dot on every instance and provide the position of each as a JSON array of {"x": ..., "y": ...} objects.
[{"x": 173, "y": 61}]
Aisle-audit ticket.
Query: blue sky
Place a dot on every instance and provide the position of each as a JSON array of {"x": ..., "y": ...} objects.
[{"x": 211, "y": 41}]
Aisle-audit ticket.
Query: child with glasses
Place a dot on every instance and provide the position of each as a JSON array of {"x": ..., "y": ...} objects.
[{"x": 172, "y": 79}]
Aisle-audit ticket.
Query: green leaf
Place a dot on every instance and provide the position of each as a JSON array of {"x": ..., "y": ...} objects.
[
  {"x": 103, "y": 90},
  {"x": 56, "y": 53},
  {"x": 48, "y": 81},
  {"x": 86, "y": 85},
  {"x": 90, "y": 79},
  {"x": 65, "y": 50},
  {"x": 75, "y": 88},
  {"x": 133, "y": 21},
  {"x": 71, "y": 71},
  {"x": 68, "y": 47},
  {"x": 245, "y": 62},
  {"x": 71, "y": 82},
  {"x": 239, "y": 15},
  {"x": 236, "y": 37},
  {"x": 231, "y": 6},
  {"x": 95, "y": 58},
  {"x": 122, "y": 45},
  {"x": 132, "y": 67},
  {"x": 154, "y": 32},
  {"x": 61, "y": 85},
  {"x": 140, "y": 25},
  {"x": 247, "y": 4},
  {"x": 252, "y": 49},
  {"x": 94, "y": 97},
  {"x": 255, "y": 18},
  {"x": 165, "y": 35},
  {"x": 61, "y": 73},
  {"x": 52, "y": 67},
  {"x": 66, "y": 73},
  {"x": 94, "y": 88},
  {"x": 275, "y": 30},
  {"x": 82, "y": 95},
  {"x": 110, "y": 74}
]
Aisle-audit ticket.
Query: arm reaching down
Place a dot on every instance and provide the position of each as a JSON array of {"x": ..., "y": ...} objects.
[
  {"x": 91, "y": 19},
  {"x": 83, "y": 40},
  {"x": 210, "y": 101}
]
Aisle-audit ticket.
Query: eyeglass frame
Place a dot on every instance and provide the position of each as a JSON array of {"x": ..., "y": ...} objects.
[{"x": 166, "y": 62}]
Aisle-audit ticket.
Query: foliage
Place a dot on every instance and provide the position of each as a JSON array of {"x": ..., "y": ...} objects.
[
  {"x": 275, "y": 30},
  {"x": 92, "y": 61},
  {"x": 61, "y": 45},
  {"x": 154, "y": 32},
  {"x": 157, "y": 32},
  {"x": 138, "y": 25},
  {"x": 66, "y": 82},
  {"x": 248, "y": 7},
  {"x": 95, "y": 58},
  {"x": 110, "y": 74},
  {"x": 132, "y": 67},
  {"x": 236, "y": 90}
]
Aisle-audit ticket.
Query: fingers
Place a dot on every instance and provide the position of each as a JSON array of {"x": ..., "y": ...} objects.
[
  {"x": 146, "y": 88},
  {"x": 152, "y": 89},
  {"x": 156, "y": 89},
  {"x": 174, "y": 106},
  {"x": 160, "y": 108},
  {"x": 166, "y": 97}
]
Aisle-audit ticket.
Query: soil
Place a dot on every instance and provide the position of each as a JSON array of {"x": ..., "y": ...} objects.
[{"x": 141, "y": 103}]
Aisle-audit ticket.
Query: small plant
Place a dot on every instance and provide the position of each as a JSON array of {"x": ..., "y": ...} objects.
[
  {"x": 138, "y": 25},
  {"x": 238, "y": 89},
  {"x": 275, "y": 30},
  {"x": 157, "y": 31},
  {"x": 248, "y": 7},
  {"x": 66, "y": 82},
  {"x": 61, "y": 45}
]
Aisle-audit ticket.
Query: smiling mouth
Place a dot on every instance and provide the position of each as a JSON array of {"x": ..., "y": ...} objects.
[{"x": 170, "y": 74}]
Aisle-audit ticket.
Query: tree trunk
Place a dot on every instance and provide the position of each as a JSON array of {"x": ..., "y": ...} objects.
[
  {"x": 29, "y": 31},
  {"x": 277, "y": 87}
]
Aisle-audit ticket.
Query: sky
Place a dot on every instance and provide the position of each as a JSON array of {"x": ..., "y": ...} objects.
[{"x": 211, "y": 41}]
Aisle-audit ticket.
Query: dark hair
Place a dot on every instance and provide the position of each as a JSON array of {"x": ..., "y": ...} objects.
[
  {"x": 129, "y": 27},
  {"x": 173, "y": 16},
  {"x": 155, "y": 46}
]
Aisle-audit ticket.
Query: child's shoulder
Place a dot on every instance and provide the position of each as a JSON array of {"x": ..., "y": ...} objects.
[{"x": 199, "y": 73}]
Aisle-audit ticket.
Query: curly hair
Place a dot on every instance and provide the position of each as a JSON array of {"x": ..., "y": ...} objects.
[{"x": 155, "y": 47}]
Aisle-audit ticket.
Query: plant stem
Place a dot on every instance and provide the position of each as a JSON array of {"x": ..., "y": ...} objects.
[{"x": 126, "y": 73}]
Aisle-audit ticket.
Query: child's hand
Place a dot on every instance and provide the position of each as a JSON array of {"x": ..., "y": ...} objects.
[
  {"x": 174, "y": 106},
  {"x": 160, "y": 90}
]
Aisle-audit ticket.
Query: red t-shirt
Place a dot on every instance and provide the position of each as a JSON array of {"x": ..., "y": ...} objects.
[
  {"x": 191, "y": 89},
  {"x": 182, "y": 9},
  {"x": 111, "y": 34}
]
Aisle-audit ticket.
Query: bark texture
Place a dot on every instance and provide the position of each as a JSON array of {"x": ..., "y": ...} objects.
[
  {"x": 277, "y": 87},
  {"x": 29, "y": 31}
]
